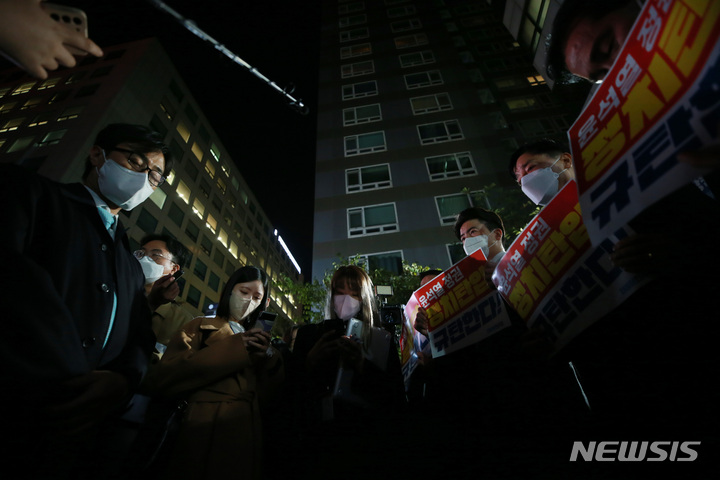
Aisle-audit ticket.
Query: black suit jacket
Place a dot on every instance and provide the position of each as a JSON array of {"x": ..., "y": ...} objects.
[{"x": 59, "y": 269}]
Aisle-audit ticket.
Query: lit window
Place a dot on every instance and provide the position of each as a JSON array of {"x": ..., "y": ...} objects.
[
  {"x": 233, "y": 249},
  {"x": 215, "y": 152},
  {"x": 49, "y": 83},
  {"x": 197, "y": 150},
  {"x": 198, "y": 208},
  {"x": 6, "y": 107},
  {"x": 372, "y": 220},
  {"x": 409, "y": 41},
  {"x": 221, "y": 185},
  {"x": 416, "y": 58},
  {"x": 430, "y": 103},
  {"x": 365, "y": 143},
  {"x": 359, "y": 90},
  {"x": 11, "y": 125},
  {"x": 184, "y": 131},
  {"x": 41, "y": 119},
  {"x": 70, "y": 113},
  {"x": 222, "y": 236},
  {"x": 423, "y": 79},
  {"x": 211, "y": 223},
  {"x": 356, "y": 50},
  {"x": 170, "y": 178},
  {"x": 536, "y": 80},
  {"x": 210, "y": 169},
  {"x": 24, "y": 88},
  {"x": 32, "y": 103},
  {"x": 183, "y": 192},
  {"x": 363, "y": 114},
  {"x": 367, "y": 178},
  {"x": 158, "y": 197},
  {"x": 522, "y": 103},
  {"x": 440, "y": 132},
  {"x": 442, "y": 167}
]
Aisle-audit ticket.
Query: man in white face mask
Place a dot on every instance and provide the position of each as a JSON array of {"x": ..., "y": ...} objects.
[
  {"x": 74, "y": 293},
  {"x": 542, "y": 169},
  {"x": 480, "y": 229},
  {"x": 160, "y": 257}
]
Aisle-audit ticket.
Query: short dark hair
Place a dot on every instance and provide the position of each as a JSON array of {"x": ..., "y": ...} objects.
[
  {"x": 428, "y": 273},
  {"x": 177, "y": 250},
  {"x": 242, "y": 275},
  {"x": 140, "y": 138},
  {"x": 546, "y": 146},
  {"x": 491, "y": 219},
  {"x": 568, "y": 15}
]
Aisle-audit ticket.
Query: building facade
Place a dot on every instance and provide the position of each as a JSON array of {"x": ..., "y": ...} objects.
[
  {"x": 49, "y": 125},
  {"x": 420, "y": 105}
]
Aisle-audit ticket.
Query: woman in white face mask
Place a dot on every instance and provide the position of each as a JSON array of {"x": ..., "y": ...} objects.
[{"x": 223, "y": 367}]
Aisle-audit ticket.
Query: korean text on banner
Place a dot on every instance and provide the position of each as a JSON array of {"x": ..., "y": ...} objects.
[
  {"x": 553, "y": 277},
  {"x": 461, "y": 308},
  {"x": 659, "y": 98}
]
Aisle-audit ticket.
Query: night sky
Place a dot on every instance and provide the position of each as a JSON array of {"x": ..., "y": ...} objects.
[{"x": 272, "y": 145}]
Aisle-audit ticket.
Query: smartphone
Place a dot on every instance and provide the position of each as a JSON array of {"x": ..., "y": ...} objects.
[
  {"x": 354, "y": 329},
  {"x": 72, "y": 18},
  {"x": 266, "y": 320},
  {"x": 332, "y": 325},
  {"x": 178, "y": 274}
]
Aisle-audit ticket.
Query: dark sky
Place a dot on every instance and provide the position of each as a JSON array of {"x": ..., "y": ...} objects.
[{"x": 273, "y": 146}]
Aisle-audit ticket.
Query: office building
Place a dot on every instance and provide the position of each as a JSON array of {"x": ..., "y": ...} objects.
[{"x": 49, "y": 125}]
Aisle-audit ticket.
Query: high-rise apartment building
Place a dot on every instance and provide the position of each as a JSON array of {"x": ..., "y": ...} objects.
[
  {"x": 49, "y": 126},
  {"x": 420, "y": 103}
]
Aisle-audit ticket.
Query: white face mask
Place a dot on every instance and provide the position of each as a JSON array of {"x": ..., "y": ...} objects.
[
  {"x": 472, "y": 244},
  {"x": 346, "y": 307},
  {"x": 541, "y": 185},
  {"x": 151, "y": 270},
  {"x": 125, "y": 188},
  {"x": 241, "y": 307}
]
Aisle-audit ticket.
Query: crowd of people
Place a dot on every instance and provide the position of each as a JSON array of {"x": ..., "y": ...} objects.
[{"x": 107, "y": 376}]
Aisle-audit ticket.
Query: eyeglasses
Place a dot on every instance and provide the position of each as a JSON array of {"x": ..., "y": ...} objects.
[
  {"x": 141, "y": 253},
  {"x": 139, "y": 163}
]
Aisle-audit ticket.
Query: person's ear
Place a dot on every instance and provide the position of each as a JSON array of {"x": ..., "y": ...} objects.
[
  {"x": 174, "y": 268},
  {"x": 497, "y": 233},
  {"x": 566, "y": 160},
  {"x": 97, "y": 157}
]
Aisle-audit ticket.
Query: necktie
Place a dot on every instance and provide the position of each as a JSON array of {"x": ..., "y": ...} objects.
[{"x": 108, "y": 219}]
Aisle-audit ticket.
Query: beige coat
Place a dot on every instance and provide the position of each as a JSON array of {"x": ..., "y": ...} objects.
[{"x": 220, "y": 435}]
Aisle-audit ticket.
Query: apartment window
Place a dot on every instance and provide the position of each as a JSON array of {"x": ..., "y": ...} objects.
[
  {"x": 211, "y": 223},
  {"x": 59, "y": 96},
  {"x": 234, "y": 252},
  {"x": 537, "y": 127},
  {"x": 466, "y": 57},
  {"x": 223, "y": 237},
  {"x": 222, "y": 187},
  {"x": 191, "y": 114},
  {"x": 401, "y": 11},
  {"x": 146, "y": 222},
  {"x": 51, "y": 138},
  {"x": 345, "y": 22},
  {"x": 405, "y": 25},
  {"x": 442, "y": 167},
  {"x": 167, "y": 108},
  {"x": 205, "y": 188},
  {"x": 214, "y": 281},
  {"x": 357, "y": 69},
  {"x": 87, "y": 90},
  {"x": 359, "y": 90},
  {"x": 449, "y": 206},
  {"x": 217, "y": 202},
  {"x": 49, "y": 83},
  {"x": 20, "y": 144},
  {"x": 32, "y": 103},
  {"x": 536, "y": 80},
  {"x": 215, "y": 152},
  {"x": 351, "y": 7},
  {"x": 158, "y": 197},
  {"x": 183, "y": 130},
  {"x": 430, "y": 103},
  {"x": 354, "y": 34},
  {"x": 486, "y": 96},
  {"x": 192, "y": 231},
  {"x": 11, "y": 125},
  {"x": 408, "y": 41},
  {"x": 416, "y": 58},
  {"x": 23, "y": 88},
  {"x": 198, "y": 208},
  {"x": 210, "y": 169},
  {"x": 183, "y": 192},
  {"x": 176, "y": 214},
  {"x": 367, "y": 178},
  {"x": 191, "y": 169},
  {"x": 455, "y": 252},
  {"x": 388, "y": 261},
  {"x": 356, "y": 50},
  {"x": 522, "y": 103},
  {"x": 75, "y": 77},
  {"x": 510, "y": 82},
  {"x": 219, "y": 258},
  {"x": 423, "y": 79},
  {"x": 70, "y": 113},
  {"x": 498, "y": 121},
  {"x": 440, "y": 132},
  {"x": 206, "y": 245},
  {"x": 365, "y": 143},
  {"x": 175, "y": 90},
  {"x": 200, "y": 270},
  {"x": 41, "y": 119},
  {"x": 363, "y": 114},
  {"x": 372, "y": 220},
  {"x": 6, "y": 107},
  {"x": 197, "y": 150}
]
